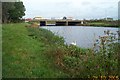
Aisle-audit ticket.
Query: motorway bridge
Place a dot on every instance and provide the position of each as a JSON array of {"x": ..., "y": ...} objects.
[{"x": 47, "y": 22}]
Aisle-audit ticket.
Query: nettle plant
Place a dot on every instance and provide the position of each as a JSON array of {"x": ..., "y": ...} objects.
[
  {"x": 109, "y": 51},
  {"x": 104, "y": 43}
]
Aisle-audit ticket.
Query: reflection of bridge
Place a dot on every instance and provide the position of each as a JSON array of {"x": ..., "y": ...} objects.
[{"x": 46, "y": 22}]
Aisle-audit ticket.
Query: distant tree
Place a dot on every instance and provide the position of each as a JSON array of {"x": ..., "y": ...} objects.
[
  {"x": 12, "y": 11},
  {"x": 64, "y": 18}
]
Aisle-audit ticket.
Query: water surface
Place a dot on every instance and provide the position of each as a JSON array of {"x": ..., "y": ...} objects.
[{"x": 84, "y": 36}]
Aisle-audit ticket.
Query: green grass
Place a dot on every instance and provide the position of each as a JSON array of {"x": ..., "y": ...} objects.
[
  {"x": 100, "y": 24},
  {"x": 103, "y": 24},
  {"x": 24, "y": 56}
]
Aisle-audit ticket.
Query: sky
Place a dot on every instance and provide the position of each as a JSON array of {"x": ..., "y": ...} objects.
[{"x": 78, "y": 9}]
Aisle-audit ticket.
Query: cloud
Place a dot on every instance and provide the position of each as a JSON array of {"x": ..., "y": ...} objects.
[{"x": 86, "y": 3}]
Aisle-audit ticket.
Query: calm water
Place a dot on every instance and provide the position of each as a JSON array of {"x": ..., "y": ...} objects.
[{"x": 84, "y": 36}]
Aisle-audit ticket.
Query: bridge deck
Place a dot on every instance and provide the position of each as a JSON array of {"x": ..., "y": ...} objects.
[{"x": 57, "y": 20}]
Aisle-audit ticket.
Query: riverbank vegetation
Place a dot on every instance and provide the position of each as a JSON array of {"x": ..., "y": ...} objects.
[
  {"x": 102, "y": 23},
  {"x": 36, "y": 52}
]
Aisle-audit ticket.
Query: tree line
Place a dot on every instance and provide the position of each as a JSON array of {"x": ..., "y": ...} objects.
[{"x": 12, "y": 12}]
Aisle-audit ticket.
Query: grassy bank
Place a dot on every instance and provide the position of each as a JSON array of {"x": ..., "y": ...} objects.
[
  {"x": 34, "y": 52},
  {"x": 24, "y": 56},
  {"x": 102, "y": 23}
]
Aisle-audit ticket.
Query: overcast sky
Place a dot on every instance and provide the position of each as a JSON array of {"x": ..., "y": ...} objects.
[{"x": 78, "y": 9}]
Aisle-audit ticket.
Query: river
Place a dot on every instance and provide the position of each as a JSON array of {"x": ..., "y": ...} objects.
[{"x": 84, "y": 36}]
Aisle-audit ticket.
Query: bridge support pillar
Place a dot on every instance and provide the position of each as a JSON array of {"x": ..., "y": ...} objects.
[{"x": 66, "y": 23}]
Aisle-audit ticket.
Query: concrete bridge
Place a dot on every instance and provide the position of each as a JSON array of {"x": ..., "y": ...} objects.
[{"x": 47, "y": 22}]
